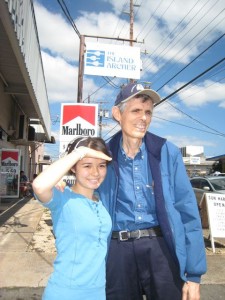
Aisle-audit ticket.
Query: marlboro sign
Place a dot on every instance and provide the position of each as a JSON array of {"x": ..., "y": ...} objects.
[
  {"x": 9, "y": 175},
  {"x": 77, "y": 120}
]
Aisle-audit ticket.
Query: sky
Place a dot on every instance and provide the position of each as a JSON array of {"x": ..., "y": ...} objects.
[{"x": 182, "y": 48}]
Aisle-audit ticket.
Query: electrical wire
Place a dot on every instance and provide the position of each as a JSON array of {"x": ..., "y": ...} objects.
[
  {"x": 214, "y": 133},
  {"x": 191, "y": 62},
  {"x": 187, "y": 45},
  {"x": 172, "y": 33},
  {"x": 169, "y": 43},
  {"x": 172, "y": 45},
  {"x": 150, "y": 30},
  {"x": 197, "y": 121},
  {"x": 67, "y": 14},
  {"x": 189, "y": 82}
]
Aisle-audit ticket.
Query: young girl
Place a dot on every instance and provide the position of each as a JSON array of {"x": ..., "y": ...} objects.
[{"x": 81, "y": 224}]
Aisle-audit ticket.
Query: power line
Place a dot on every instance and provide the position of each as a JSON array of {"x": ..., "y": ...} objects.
[
  {"x": 189, "y": 82},
  {"x": 107, "y": 82},
  {"x": 67, "y": 14},
  {"x": 160, "y": 17},
  {"x": 150, "y": 18},
  {"x": 173, "y": 58},
  {"x": 174, "y": 29},
  {"x": 175, "y": 36},
  {"x": 171, "y": 44},
  {"x": 218, "y": 133},
  {"x": 192, "y": 61}
]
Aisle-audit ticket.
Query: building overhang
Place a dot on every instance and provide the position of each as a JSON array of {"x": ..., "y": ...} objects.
[{"x": 18, "y": 70}]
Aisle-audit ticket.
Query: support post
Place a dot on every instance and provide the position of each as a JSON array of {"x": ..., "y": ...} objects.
[{"x": 81, "y": 71}]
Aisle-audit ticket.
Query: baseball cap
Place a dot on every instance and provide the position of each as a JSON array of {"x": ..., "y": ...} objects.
[{"x": 133, "y": 89}]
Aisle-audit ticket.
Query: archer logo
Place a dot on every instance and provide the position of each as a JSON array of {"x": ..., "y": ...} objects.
[{"x": 95, "y": 58}]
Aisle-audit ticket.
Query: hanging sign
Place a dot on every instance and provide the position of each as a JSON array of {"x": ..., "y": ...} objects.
[{"x": 112, "y": 60}]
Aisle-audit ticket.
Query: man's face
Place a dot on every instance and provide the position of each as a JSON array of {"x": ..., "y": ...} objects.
[{"x": 135, "y": 118}]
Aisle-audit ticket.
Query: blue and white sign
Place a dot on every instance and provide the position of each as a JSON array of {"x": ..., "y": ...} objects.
[{"x": 112, "y": 60}]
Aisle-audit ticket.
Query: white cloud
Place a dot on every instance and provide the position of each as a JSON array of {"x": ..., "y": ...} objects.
[
  {"x": 182, "y": 141},
  {"x": 55, "y": 34},
  {"x": 61, "y": 78}
]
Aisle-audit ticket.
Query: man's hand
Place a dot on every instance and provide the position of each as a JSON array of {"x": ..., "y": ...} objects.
[
  {"x": 191, "y": 291},
  {"x": 60, "y": 185}
]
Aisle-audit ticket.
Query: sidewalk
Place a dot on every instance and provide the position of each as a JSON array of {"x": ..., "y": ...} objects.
[
  {"x": 20, "y": 267},
  {"x": 27, "y": 253}
]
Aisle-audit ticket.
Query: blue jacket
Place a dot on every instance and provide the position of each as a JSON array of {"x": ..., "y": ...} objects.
[{"x": 176, "y": 205}]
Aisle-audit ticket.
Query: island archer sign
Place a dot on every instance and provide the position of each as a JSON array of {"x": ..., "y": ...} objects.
[{"x": 112, "y": 60}]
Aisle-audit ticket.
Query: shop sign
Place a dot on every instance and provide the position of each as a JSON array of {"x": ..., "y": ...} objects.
[
  {"x": 112, "y": 60},
  {"x": 9, "y": 172}
]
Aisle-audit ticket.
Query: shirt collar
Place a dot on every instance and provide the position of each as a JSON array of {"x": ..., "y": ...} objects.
[{"x": 142, "y": 149}]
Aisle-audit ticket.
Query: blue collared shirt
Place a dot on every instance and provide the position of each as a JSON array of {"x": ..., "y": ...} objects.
[{"x": 135, "y": 207}]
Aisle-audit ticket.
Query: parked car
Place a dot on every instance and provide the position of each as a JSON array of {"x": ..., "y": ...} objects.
[{"x": 209, "y": 184}]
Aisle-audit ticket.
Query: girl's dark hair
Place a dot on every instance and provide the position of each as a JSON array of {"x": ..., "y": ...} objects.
[{"x": 94, "y": 143}]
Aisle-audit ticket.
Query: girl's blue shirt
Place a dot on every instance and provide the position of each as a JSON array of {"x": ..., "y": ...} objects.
[{"x": 81, "y": 228}]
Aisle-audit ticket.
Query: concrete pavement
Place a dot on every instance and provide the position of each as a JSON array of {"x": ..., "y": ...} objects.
[{"x": 24, "y": 273}]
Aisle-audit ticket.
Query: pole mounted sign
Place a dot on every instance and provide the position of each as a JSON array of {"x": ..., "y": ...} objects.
[
  {"x": 112, "y": 60},
  {"x": 77, "y": 120}
]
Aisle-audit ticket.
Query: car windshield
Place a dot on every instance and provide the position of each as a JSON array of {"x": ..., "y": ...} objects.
[{"x": 218, "y": 183}]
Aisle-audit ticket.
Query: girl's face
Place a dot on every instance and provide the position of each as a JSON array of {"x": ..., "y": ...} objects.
[{"x": 89, "y": 172}]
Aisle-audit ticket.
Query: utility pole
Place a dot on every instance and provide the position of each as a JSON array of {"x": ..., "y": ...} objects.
[
  {"x": 131, "y": 22},
  {"x": 103, "y": 113},
  {"x": 81, "y": 70},
  {"x": 132, "y": 25}
]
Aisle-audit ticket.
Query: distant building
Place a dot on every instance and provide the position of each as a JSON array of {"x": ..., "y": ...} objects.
[
  {"x": 195, "y": 161},
  {"x": 189, "y": 151}
]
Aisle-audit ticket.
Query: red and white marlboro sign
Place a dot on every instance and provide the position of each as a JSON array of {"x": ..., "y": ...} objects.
[
  {"x": 10, "y": 160},
  {"x": 9, "y": 171},
  {"x": 77, "y": 120}
]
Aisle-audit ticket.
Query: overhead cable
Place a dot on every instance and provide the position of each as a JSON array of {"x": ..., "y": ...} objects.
[
  {"x": 189, "y": 82},
  {"x": 215, "y": 133},
  {"x": 67, "y": 14},
  {"x": 191, "y": 61},
  {"x": 184, "y": 35}
]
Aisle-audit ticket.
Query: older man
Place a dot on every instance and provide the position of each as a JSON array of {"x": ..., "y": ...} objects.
[{"x": 156, "y": 247}]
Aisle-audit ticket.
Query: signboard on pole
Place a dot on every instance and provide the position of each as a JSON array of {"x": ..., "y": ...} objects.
[
  {"x": 112, "y": 60},
  {"x": 9, "y": 173},
  {"x": 216, "y": 215},
  {"x": 77, "y": 120}
]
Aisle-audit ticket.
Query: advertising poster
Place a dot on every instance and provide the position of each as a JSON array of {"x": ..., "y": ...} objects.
[
  {"x": 9, "y": 169},
  {"x": 77, "y": 120}
]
